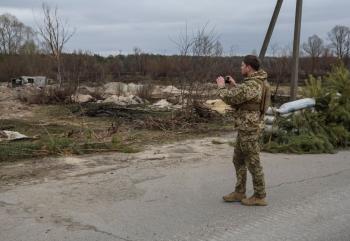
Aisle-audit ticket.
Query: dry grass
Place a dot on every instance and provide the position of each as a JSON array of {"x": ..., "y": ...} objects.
[
  {"x": 145, "y": 92},
  {"x": 60, "y": 132}
]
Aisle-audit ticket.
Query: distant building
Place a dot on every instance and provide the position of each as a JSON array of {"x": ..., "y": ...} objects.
[{"x": 38, "y": 81}]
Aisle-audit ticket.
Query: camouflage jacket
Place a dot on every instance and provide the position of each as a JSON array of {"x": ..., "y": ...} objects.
[{"x": 250, "y": 91}]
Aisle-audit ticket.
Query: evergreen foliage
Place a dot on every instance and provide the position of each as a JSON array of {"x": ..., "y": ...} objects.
[{"x": 323, "y": 129}]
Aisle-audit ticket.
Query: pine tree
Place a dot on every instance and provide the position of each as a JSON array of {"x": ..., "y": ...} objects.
[{"x": 323, "y": 130}]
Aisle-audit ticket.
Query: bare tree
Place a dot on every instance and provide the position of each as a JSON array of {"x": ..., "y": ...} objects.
[
  {"x": 314, "y": 47},
  {"x": 233, "y": 50},
  {"x": 13, "y": 34},
  {"x": 204, "y": 42},
  {"x": 218, "y": 49},
  {"x": 339, "y": 37},
  {"x": 274, "y": 49},
  {"x": 347, "y": 47},
  {"x": 184, "y": 42},
  {"x": 55, "y": 33},
  {"x": 139, "y": 60}
]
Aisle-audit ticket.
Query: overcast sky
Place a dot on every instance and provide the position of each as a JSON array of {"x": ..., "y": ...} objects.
[{"x": 111, "y": 26}]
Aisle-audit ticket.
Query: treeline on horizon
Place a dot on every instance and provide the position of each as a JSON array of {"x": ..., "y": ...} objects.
[
  {"x": 28, "y": 52},
  {"x": 95, "y": 69}
]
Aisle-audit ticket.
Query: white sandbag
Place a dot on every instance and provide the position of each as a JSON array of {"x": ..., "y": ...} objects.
[
  {"x": 269, "y": 119},
  {"x": 298, "y": 112},
  {"x": 271, "y": 128},
  {"x": 296, "y": 105},
  {"x": 270, "y": 111},
  {"x": 287, "y": 115}
]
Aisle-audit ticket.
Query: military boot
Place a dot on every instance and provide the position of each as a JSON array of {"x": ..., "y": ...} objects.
[
  {"x": 254, "y": 201},
  {"x": 234, "y": 197}
]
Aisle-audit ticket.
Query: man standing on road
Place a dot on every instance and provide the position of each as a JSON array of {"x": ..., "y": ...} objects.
[{"x": 248, "y": 99}]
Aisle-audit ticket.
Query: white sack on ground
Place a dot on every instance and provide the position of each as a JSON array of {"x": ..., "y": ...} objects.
[
  {"x": 296, "y": 105},
  {"x": 269, "y": 119},
  {"x": 270, "y": 111},
  {"x": 11, "y": 135},
  {"x": 271, "y": 128}
]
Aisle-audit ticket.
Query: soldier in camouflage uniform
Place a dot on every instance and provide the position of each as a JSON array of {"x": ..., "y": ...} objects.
[{"x": 246, "y": 98}]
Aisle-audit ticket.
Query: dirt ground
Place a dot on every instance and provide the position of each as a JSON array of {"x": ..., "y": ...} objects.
[
  {"x": 11, "y": 107},
  {"x": 25, "y": 118},
  {"x": 40, "y": 170}
]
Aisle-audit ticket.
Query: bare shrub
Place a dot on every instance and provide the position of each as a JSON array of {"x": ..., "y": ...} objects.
[{"x": 193, "y": 94}]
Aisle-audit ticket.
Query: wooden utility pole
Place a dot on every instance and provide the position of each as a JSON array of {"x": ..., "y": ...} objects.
[
  {"x": 296, "y": 50},
  {"x": 270, "y": 30},
  {"x": 296, "y": 43}
]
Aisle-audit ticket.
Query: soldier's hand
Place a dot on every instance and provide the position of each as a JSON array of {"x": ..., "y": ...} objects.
[
  {"x": 220, "y": 81},
  {"x": 231, "y": 80}
]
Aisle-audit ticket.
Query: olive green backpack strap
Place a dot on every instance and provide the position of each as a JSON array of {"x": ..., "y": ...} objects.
[{"x": 265, "y": 96}]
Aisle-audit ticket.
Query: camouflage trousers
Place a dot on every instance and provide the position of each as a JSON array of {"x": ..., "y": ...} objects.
[{"x": 246, "y": 155}]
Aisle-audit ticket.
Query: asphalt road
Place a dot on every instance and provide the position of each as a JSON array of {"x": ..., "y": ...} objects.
[{"x": 173, "y": 193}]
